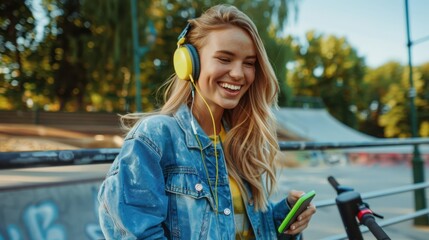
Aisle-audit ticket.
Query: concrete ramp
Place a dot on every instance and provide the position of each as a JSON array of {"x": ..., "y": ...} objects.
[{"x": 317, "y": 125}]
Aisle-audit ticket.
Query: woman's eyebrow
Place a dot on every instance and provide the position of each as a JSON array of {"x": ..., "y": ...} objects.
[
  {"x": 225, "y": 52},
  {"x": 233, "y": 54}
]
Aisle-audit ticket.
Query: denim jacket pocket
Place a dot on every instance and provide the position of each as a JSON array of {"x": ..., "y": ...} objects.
[
  {"x": 189, "y": 198},
  {"x": 185, "y": 180}
]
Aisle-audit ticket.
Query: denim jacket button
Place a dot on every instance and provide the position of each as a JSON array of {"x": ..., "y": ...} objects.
[
  {"x": 198, "y": 187},
  {"x": 227, "y": 211}
]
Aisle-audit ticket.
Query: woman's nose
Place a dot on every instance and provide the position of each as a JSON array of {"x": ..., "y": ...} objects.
[{"x": 236, "y": 71}]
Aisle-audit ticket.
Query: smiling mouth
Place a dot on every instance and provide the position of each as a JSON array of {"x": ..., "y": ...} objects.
[{"x": 231, "y": 86}]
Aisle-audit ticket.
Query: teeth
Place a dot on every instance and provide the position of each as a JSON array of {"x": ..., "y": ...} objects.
[{"x": 230, "y": 86}]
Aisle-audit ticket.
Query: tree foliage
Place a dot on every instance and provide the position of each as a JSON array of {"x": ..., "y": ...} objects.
[
  {"x": 85, "y": 56},
  {"x": 396, "y": 119},
  {"x": 377, "y": 82},
  {"x": 423, "y": 101},
  {"x": 329, "y": 68},
  {"x": 17, "y": 35}
]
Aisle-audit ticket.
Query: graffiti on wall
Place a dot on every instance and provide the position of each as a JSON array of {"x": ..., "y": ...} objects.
[{"x": 42, "y": 221}]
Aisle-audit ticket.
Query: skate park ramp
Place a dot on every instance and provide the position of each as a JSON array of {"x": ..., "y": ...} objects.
[{"x": 317, "y": 125}]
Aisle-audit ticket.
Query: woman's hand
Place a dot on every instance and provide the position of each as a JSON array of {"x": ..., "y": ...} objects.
[{"x": 304, "y": 218}]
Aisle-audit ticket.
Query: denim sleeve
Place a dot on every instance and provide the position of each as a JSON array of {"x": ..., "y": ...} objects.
[
  {"x": 132, "y": 198},
  {"x": 280, "y": 210}
]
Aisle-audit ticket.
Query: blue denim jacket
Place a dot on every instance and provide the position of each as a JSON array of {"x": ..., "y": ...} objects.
[{"x": 157, "y": 187}]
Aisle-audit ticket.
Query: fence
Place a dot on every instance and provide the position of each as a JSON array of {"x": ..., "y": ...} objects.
[{"x": 93, "y": 156}]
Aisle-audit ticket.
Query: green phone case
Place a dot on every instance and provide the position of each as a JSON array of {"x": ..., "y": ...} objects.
[{"x": 296, "y": 210}]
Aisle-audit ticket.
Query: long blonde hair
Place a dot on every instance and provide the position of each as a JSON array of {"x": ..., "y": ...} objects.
[{"x": 251, "y": 143}]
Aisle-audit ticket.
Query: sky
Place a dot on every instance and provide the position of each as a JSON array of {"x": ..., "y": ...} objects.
[{"x": 375, "y": 28}]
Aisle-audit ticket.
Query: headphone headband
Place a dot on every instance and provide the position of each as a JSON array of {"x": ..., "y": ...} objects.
[{"x": 185, "y": 31}]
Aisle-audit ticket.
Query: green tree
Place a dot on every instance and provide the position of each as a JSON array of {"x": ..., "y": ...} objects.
[
  {"x": 17, "y": 36},
  {"x": 396, "y": 120},
  {"x": 329, "y": 68},
  {"x": 423, "y": 103},
  {"x": 83, "y": 60},
  {"x": 377, "y": 82}
]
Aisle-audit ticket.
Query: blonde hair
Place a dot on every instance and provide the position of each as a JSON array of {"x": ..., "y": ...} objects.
[{"x": 251, "y": 144}]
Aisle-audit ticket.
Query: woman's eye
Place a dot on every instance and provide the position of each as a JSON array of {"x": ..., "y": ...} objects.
[
  {"x": 224, "y": 60},
  {"x": 249, "y": 64}
]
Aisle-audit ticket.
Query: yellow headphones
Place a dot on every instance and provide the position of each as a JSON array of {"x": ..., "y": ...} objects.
[{"x": 186, "y": 61}]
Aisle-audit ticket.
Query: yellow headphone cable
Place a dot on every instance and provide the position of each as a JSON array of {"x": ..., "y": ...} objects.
[{"x": 215, "y": 195}]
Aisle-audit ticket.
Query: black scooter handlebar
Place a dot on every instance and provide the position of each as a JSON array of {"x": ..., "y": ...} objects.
[
  {"x": 333, "y": 182},
  {"x": 369, "y": 221}
]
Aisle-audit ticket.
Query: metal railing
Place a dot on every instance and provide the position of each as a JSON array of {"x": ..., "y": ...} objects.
[
  {"x": 105, "y": 155},
  {"x": 57, "y": 157}
]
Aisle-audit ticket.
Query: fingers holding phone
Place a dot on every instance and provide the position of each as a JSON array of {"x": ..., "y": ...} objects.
[
  {"x": 302, "y": 221},
  {"x": 301, "y": 212}
]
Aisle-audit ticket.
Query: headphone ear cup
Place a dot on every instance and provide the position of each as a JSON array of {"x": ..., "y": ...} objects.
[
  {"x": 195, "y": 61},
  {"x": 186, "y": 62}
]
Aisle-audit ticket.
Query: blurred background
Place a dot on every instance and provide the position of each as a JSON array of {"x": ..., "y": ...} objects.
[{"x": 69, "y": 68}]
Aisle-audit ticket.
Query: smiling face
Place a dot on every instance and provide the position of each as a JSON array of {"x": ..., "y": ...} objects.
[{"x": 228, "y": 59}]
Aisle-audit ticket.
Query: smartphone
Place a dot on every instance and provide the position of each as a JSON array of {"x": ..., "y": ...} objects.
[{"x": 296, "y": 210}]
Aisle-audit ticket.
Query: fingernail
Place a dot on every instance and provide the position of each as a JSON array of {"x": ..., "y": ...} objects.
[
  {"x": 293, "y": 227},
  {"x": 299, "y": 218}
]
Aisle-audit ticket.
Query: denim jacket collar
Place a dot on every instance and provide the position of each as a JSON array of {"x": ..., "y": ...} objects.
[{"x": 183, "y": 117}]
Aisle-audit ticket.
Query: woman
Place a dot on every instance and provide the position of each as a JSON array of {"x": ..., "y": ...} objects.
[{"x": 203, "y": 166}]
